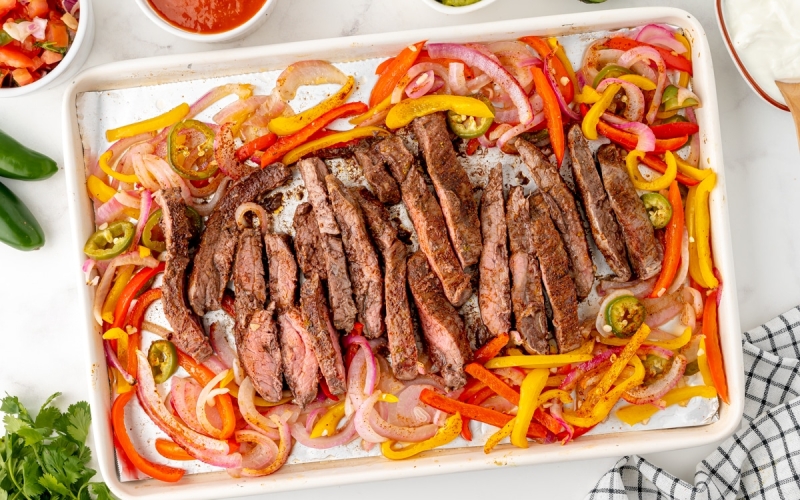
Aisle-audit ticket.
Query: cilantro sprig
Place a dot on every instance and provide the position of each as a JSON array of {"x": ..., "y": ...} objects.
[{"x": 45, "y": 456}]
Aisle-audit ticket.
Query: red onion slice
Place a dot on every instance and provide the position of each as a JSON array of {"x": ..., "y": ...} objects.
[
  {"x": 638, "y": 288},
  {"x": 551, "y": 79},
  {"x": 661, "y": 352},
  {"x": 372, "y": 369},
  {"x": 284, "y": 448},
  {"x": 206, "y": 398},
  {"x": 248, "y": 409},
  {"x": 263, "y": 450},
  {"x": 244, "y": 107},
  {"x": 517, "y": 130},
  {"x": 255, "y": 209},
  {"x": 361, "y": 419},
  {"x": 683, "y": 270},
  {"x": 344, "y": 436},
  {"x": 310, "y": 72},
  {"x": 555, "y": 412},
  {"x": 113, "y": 360},
  {"x": 400, "y": 433},
  {"x": 694, "y": 146},
  {"x": 421, "y": 85},
  {"x": 637, "y": 54},
  {"x": 657, "y": 35},
  {"x": 205, "y": 209},
  {"x": 646, "y": 138},
  {"x": 110, "y": 211},
  {"x": 644, "y": 394},
  {"x": 634, "y": 107},
  {"x": 456, "y": 78},
  {"x": 129, "y": 258},
  {"x": 512, "y": 54},
  {"x": 694, "y": 297},
  {"x": 579, "y": 370},
  {"x": 144, "y": 214},
  {"x": 416, "y": 70}
]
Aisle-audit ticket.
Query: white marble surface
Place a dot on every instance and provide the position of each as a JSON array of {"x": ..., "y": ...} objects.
[{"x": 41, "y": 350}]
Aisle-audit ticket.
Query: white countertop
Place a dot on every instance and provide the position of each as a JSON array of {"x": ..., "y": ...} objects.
[{"x": 42, "y": 349}]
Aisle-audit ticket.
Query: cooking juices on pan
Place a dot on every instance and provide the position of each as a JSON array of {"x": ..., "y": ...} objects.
[
  {"x": 206, "y": 16},
  {"x": 343, "y": 337}
]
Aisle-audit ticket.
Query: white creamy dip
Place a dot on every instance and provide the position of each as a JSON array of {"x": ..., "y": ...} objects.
[{"x": 766, "y": 35}]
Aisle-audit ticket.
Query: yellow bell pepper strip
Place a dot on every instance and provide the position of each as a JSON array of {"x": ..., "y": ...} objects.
[
  {"x": 121, "y": 337},
  {"x": 613, "y": 373},
  {"x": 635, "y": 414},
  {"x": 690, "y": 171},
  {"x": 588, "y": 95},
  {"x": 558, "y": 51},
  {"x": 559, "y": 394},
  {"x": 123, "y": 277},
  {"x": 702, "y": 364},
  {"x": 702, "y": 228},
  {"x": 498, "y": 436},
  {"x": 285, "y": 125},
  {"x": 694, "y": 265},
  {"x": 159, "y": 122},
  {"x": 640, "y": 81},
  {"x": 662, "y": 182},
  {"x": 528, "y": 401},
  {"x": 552, "y": 112},
  {"x": 329, "y": 140},
  {"x": 233, "y": 390},
  {"x": 672, "y": 344},
  {"x": 590, "y": 121},
  {"x": 106, "y": 168},
  {"x": 394, "y": 72},
  {"x": 537, "y": 360},
  {"x": 99, "y": 189},
  {"x": 326, "y": 425},
  {"x": 380, "y": 108},
  {"x": 683, "y": 80},
  {"x": 446, "y": 434},
  {"x": 405, "y": 111},
  {"x": 713, "y": 346}
]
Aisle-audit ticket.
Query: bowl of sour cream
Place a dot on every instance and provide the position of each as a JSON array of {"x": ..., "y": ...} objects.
[{"x": 763, "y": 38}]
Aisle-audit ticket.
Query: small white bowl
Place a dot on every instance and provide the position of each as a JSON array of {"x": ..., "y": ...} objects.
[
  {"x": 73, "y": 59},
  {"x": 447, "y": 9},
  {"x": 240, "y": 31}
]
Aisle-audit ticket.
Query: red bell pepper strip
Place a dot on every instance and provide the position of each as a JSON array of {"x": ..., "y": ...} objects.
[
  {"x": 671, "y": 60},
  {"x": 326, "y": 390},
  {"x": 493, "y": 382},
  {"x": 543, "y": 49},
  {"x": 229, "y": 303},
  {"x": 383, "y": 65},
  {"x": 352, "y": 349},
  {"x": 477, "y": 397},
  {"x": 135, "y": 317},
  {"x": 472, "y": 146},
  {"x": 491, "y": 349},
  {"x": 394, "y": 72},
  {"x": 548, "y": 421},
  {"x": 130, "y": 291},
  {"x": 658, "y": 165},
  {"x": 474, "y": 412},
  {"x": 713, "y": 351},
  {"x": 287, "y": 143},
  {"x": 156, "y": 471},
  {"x": 673, "y": 130},
  {"x": 673, "y": 243},
  {"x": 552, "y": 112},
  {"x": 203, "y": 376},
  {"x": 171, "y": 450},
  {"x": 257, "y": 144},
  {"x": 473, "y": 387},
  {"x": 466, "y": 432},
  {"x": 628, "y": 140}
]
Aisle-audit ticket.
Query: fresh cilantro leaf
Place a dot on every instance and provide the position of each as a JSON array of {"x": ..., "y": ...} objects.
[
  {"x": 100, "y": 490},
  {"x": 31, "y": 436},
  {"x": 79, "y": 419},
  {"x": 3, "y": 495},
  {"x": 47, "y": 417},
  {"x": 51, "y": 47},
  {"x": 14, "y": 424},
  {"x": 10, "y": 404},
  {"x": 30, "y": 475},
  {"x": 53, "y": 485}
]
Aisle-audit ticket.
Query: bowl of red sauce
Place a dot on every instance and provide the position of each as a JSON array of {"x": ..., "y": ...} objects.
[{"x": 207, "y": 20}]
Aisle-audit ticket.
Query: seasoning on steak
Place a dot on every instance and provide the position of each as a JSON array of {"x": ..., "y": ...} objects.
[
  {"x": 644, "y": 251},
  {"x": 399, "y": 327},
  {"x": 308, "y": 242},
  {"x": 188, "y": 334},
  {"x": 494, "y": 295},
  {"x": 564, "y": 213},
  {"x": 323, "y": 337},
  {"x": 248, "y": 279},
  {"x": 260, "y": 354},
  {"x": 527, "y": 297},
  {"x": 365, "y": 271},
  {"x": 426, "y": 215},
  {"x": 212, "y": 264},
  {"x": 383, "y": 184},
  {"x": 442, "y": 326},
  {"x": 282, "y": 270},
  {"x": 605, "y": 230},
  {"x": 300, "y": 366},
  {"x": 452, "y": 186},
  {"x": 558, "y": 283}
]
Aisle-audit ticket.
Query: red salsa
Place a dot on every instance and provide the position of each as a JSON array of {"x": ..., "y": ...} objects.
[{"x": 206, "y": 16}]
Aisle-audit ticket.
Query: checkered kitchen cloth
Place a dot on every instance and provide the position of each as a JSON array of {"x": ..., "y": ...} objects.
[{"x": 762, "y": 460}]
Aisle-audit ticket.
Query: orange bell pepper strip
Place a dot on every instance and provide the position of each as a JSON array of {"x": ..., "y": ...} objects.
[
  {"x": 474, "y": 412},
  {"x": 135, "y": 318},
  {"x": 258, "y": 144},
  {"x": 491, "y": 349},
  {"x": 544, "y": 50},
  {"x": 445, "y": 61},
  {"x": 493, "y": 382},
  {"x": 130, "y": 291},
  {"x": 171, "y": 450},
  {"x": 394, "y": 71},
  {"x": 156, "y": 471},
  {"x": 552, "y": 112},
  {"x": 657, "y": 164},
  {"x": 674, "y": 239},
  {"x": 383, "y": 65},
  {"x": 203, "y": 376},
  {"x": 713, "y": 351},
  {"x": 671, "y": 60}
]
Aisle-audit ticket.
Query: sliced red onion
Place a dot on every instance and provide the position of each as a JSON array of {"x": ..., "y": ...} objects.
[
  {"x": 183, "y": 395},
  {"x": 144, "y": 214},
  {"x": 113, "y": 360},
  {"x": 511, "y": 54},
  {"x": 263, "y": 450},
  {"x": 662, "y": 309},
  {"x": 416, "y": 70},
  {"x": 477, "y": 83},
  {"x": 510, "y": 116},
  {"x": 71, "y": 6},
  {"x": 551, "y": 79},
  {"x": 208, "y": 189},
  {"x": 651, "y": 393},
  {"x": 688, "y": 316},
  {"x": 362, "y": 417},
  {"x": 634, "y": 107},
  {"x": 683, "y": 270},
  {"x": 595, "y": 58},
  {"x": 223, "y": 348},
  {"x": 684, "y": 93},
  {"x": 130, "y": 199},
  {"x": 579, "y": 370},
  {"x": 694, "y": 146},
  {"x": 247, "y": 407},
  {"x": 646, "y": 138},
  {"x": 638, "y": 288},
  {"x": 205, "y": 209},
  {"x": 206, "y": 397},
  {"x": 532, "y": 61},
  {"x": 555, "y": 412},
  {"x": 456, "y": 78},
  {"x": 356, "y": 373},
  {"x": 518, "y": 129},
  {"x": 372, "y": 369},
  {"x": 409, "y": 411},
  {"x": 243, "y": 107},
  {"x": 500, "y": 75},
  {"x": 255, "y": 209},
  {"x": 281, "y": 456},
  {"x": 637, "y": 54},
  {"x": 344, "y": 436},
  {"x": 126, "y": 259},
  {"x": 88, "y": 265},
  {"x": 485, "y": 142},
  {"x": 110, "y": 211},
  {"x": 661, "y": 352},
  {"x": 376, "y": 119},
  {"x": 312, "y": 416},
  {"x": 537, "y": 103},
  {"x": 311, "y": 72},
  {"x": 420, "y": 85},
  {"x": 214, "y": 363},
  {"x": 401, "y": 433},
  {"x": 657, "y": 35},
  {"x": 695, "y": 298},
  {"x": 603, "y": 328},
  {"x": 513, "y": 374}
]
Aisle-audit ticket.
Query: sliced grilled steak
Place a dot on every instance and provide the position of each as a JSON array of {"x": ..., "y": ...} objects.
[
  {"x": 282, "y": 270},
  {"x": 558, "y": 283},
  {"x": 383, "y": 184},
  {"x": 308, "y": 242},
  {"x": 212, "y": 264},
  {"x": 606, "y": 231},
  {"x": 527, "y": 298},
  {"x": 248, "y": 279},
  {"x": 564, "y": 213},
  {"x": 399, "y": 327},
  {"x": 365, "y": 271},
  {"x": 322, "y": 336},
  {"x": 188, "y": 334},
  {"x": 452, "y": 186},
  {"x": 395, "y": 154},
  {"x": 442, "y": 326},
  {"x": 313, "y": 171},
  {"x": 644, "y": 251},
  {"x": 299, "y": 361},
  {"x": 260, "y": 354},
  {"x": 494, "y": 296}
]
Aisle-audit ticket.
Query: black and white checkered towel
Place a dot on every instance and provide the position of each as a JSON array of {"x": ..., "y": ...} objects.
[{"x": 760, "y": 461}]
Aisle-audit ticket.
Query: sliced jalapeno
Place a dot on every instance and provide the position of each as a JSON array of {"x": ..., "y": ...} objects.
[
  {"x": 625, "y": 315},
  {"x": 609, "y": 71},
  {"x": 470, "y": 127},
  {"x": 658, "y": 208},
  {"x": 654, "y": 366},
  {"x": 190, "y": 150},
  {"x": 670, "y": 99},
  {"x": 153, "y": 237},
  {"x": 107, "y": 243},
  {"x": 675, "y": 119},
  {"x": 163, "y": 360}
]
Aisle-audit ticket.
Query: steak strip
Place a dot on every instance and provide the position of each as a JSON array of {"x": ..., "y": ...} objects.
[
  {"x": 605, "y": 230},
  {"x": 212, "y": 264},
  {"x": 494, "y": 296},
  {"x": 260, "y": 354},
  {"x": 452, "y": 186},
  {"x": 248, "y": 279},
  {"x": 554, "y": 265},
  {"x": 282, "y": 270},
  {"x": 187, "y": 331},
  {"x": 564, "y": 213},
  {"x": 644, "y": 251},
  {"x": 323, "y": 338},
  {"x": 308, "y": 242},
  {"x": 300, "y": 365},
  {"x": 383, "y": 184}
]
